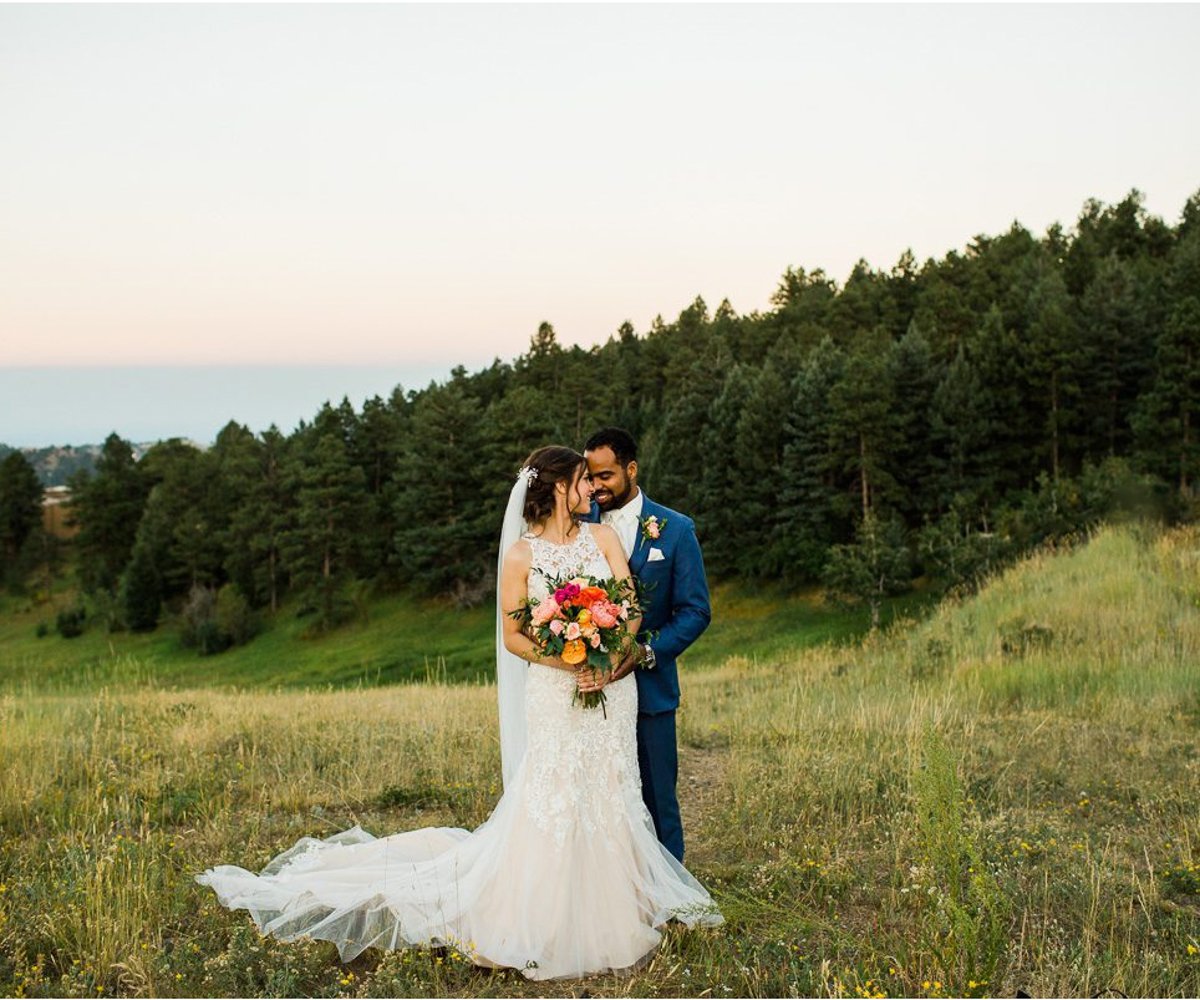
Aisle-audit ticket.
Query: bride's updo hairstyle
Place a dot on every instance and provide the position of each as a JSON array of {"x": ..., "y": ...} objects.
[{"x": 554, "y": 464}]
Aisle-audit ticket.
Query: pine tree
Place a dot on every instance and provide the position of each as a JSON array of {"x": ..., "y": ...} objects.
[
  {"x": 20, "y": 511},
  {"x": 758, "y": 438},
  {"x": 578, "y": 397},
  {"x": 954, "y": 551},
  {"x": 447, "y": 528},
  {"x": 622, "y": 371},
  {"x": 267, "y": 517},
  {"x": 517, "y": 423},
  {"x": 1116, "y": 355},
  {"x": 958, "y": 433},
  {"x": 375, "y": 446},
  {"x": 185, "y": 514},
  {"x": 1054, "y": 360},
  {"x": 1169, "y": 411},
  {"x": 945, "y": 310},
  {"x": 141, "y": 591},
  {"x": 322, "y": 547},
  {"x": 811, "y": 514},
  {"x": 875, "y": 566},
  {"x": 107, "y": 508},
  {"x": 914, "y": 377},
  {"x": 540, "y": 364},
  {"x": 717, "y": 504},
  {"x": 862, "y": 305},
  {"x": 803, "y": 303},
  {"x": 1003, "y": 456},
  {"x": 236, "y": 457},
  {"x": 672, "y": 473},
  {"x": 902, "y": 289},
  {"x": 1123, "y": 231},
  {"x": 861, "y": 422}
]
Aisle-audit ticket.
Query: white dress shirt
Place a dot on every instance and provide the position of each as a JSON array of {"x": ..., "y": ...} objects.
[{"x": 625, "y": 522}]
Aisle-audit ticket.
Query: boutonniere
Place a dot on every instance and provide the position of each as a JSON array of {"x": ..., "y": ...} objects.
[{"x": 652, "y": 527}]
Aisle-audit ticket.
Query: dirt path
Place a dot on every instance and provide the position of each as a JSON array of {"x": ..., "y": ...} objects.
[{"x": 701, "y": 785}]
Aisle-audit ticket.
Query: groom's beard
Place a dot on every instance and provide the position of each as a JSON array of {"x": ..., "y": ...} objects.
[{"x": 616, "y": 501}]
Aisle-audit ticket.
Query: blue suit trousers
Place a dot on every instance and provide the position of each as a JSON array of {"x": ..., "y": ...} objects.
[{"x": 658, "y": 760}]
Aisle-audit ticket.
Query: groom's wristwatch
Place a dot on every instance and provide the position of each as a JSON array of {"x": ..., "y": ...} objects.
[{"x": 648, "y": 657}]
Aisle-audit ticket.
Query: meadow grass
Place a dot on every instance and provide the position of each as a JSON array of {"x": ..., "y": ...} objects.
[{"x": 1001, "y": 796}]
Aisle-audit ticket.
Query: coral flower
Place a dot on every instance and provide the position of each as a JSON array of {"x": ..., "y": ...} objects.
[
  {"x": 545, "y": 611},
  {"x": 605, "y": 615},
  {"x": 590, "y": 595}
]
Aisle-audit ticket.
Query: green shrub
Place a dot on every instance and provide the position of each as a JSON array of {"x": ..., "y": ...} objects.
[
  {"x": 70, "y": 622},
  {"x": 234, "y": 618},
  {"x": 213, "y": 621}
]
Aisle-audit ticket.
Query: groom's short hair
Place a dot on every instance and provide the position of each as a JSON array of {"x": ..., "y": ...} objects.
[{"x": 623, "y": 446}]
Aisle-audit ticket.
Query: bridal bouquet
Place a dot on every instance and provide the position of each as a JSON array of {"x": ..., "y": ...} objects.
[{"x": 583, "y": 621}]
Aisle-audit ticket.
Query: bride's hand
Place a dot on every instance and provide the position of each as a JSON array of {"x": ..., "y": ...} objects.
[{"x": 588, "y": 679}]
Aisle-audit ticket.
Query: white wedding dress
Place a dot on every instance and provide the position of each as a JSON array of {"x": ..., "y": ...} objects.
[{"x": 565, "y": 878}]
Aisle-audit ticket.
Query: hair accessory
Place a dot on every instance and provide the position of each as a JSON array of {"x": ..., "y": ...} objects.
[{"x": 529, "y": 472}]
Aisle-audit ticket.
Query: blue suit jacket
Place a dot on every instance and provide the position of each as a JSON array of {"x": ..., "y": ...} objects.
[{"x": 677, "y": 607}]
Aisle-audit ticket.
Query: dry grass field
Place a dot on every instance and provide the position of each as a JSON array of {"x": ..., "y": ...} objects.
[{"x": 1003, "y": 796}]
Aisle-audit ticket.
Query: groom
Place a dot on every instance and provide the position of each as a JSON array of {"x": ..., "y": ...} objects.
[{"x": 664, "y": 556}]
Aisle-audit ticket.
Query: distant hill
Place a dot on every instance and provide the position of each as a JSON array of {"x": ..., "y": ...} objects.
[{"x": 55, "y": 464}]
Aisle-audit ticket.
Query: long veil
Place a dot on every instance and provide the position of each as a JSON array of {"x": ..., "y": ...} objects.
[{"x": 510, "y": 669}]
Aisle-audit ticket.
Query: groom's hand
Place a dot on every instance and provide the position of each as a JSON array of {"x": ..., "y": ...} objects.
[{"x": 626, "y": 666}]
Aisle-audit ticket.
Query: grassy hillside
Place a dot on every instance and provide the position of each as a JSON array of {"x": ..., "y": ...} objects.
[
  {"x": 397, "y": 639},
  {"x": 1000, "y": 797},
  {"x": 401, "y": 639}
]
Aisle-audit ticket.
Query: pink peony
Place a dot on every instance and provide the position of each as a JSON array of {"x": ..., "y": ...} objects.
[
  {"x": 557, "y": 625},
  {"x": 605, "y": 614},
  {"x": 545, "y": 611},
  {"x": 572, "y": 631}
]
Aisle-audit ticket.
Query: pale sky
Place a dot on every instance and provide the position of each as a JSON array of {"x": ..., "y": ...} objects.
[{"x": 421, "y": 185}]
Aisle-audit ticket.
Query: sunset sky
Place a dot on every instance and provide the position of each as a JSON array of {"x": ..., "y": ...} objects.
[{"x": 415, "y": 186}]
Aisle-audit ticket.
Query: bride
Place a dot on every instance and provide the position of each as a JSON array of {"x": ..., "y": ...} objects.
[{"x": 566, "y": 876}]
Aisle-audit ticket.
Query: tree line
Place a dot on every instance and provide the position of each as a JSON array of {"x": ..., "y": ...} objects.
[{"x": 932, "y": 419}]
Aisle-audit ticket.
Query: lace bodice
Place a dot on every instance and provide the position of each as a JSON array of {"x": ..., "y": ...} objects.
[{"x": 579, "y": 557}]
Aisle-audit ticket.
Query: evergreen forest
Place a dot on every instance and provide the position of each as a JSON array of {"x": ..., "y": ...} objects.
[{"x": 932, "y": 420}]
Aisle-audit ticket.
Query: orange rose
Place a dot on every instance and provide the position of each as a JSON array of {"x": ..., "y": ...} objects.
[
  {"x": 590, "y": 595},
  {"x": 574, "y": 652}
]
